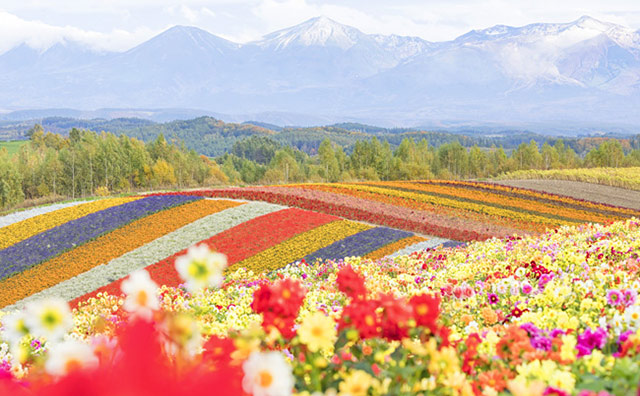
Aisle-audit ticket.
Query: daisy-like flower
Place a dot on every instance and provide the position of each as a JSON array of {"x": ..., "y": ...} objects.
[
  {"x": 51, "y": 318},
  {"x": 69, "y": 356},
  {"x": 629, "y": 296},
  {"x": 318, "y": 332},
  {"x": 356, "y": 384},
  {"x": 267, "y": 374},
  {"x": 141, "y": 294},
  {"x": 201, "y": 267},
  {"x": 493, "y": 298},
  {"x": 632, "y": 317},
  {"x": 526, "y": 287},
  {"x": 14, "y": 327},
  {"x": 614, "y": 297}
]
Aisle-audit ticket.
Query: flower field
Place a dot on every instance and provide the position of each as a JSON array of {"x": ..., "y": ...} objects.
[
  {"x": 75, "y": 251},
  {"x": 353, "y": 289},
  {"x": 463, "y": 211},
  {"x": 619, "y": 177}
]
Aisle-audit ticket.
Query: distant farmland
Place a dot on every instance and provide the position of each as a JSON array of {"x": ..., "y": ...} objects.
[{"x": 12, "y": 146}]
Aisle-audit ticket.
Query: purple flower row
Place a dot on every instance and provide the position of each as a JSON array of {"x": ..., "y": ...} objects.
[
  {"x": 51, "y": 243},
  {"x": 359, "y": 244}
]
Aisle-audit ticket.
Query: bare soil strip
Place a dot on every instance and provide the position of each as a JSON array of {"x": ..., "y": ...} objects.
[{"x": 587, "y": 191}]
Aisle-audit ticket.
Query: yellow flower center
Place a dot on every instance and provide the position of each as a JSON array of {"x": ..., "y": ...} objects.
[
  {"x": 72, "y": 365},
  {"x": 142, "y": 298},
  {"x": 422, "y": 309},
  {"x": 198, "y": 269},
  {"x": 316, "y": 331},
  {"x": 265, "y": 379},
  {"x": 369, "y": 320},
  {"x": 51, "y": 318},
  {"x": 286, "y": 293}
]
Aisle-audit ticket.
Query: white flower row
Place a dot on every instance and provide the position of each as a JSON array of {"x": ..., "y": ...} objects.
[
  {"x": 431, "y": 243},
  {"x": 29, "y": 213},
  {"x": 152, "y": 252}
]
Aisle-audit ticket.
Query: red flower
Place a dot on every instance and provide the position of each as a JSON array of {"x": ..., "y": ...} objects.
[
  {"x": 426, "y": 309},
  {"x": 279, "y": 304},
  {"x": 395, "y": 317},
  {"x": 351, "y": 283},
  {"x": 361, "y": 315}
]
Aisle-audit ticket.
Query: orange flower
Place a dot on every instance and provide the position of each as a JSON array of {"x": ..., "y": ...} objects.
[{"x": 489, "y": 315}]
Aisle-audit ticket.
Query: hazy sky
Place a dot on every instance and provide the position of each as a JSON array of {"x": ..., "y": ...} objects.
[{"x": 121, "y": 24}]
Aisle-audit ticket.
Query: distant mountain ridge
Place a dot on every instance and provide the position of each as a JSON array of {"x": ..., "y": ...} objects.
[{"x": 586, "y": 70}]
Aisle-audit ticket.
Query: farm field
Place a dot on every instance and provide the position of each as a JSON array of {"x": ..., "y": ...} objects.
[
  {"x": 457, "y": 210},
  {"x": 324, "y": 286},
  {"x": 12, "y": 146},
  {"x": 82, "y": 249},
  {"x": 627, "y": 178},
  {"x": 581, "y": 190}
]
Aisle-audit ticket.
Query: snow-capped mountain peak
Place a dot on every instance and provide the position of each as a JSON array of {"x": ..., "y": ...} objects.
[{"x": 319, "y": 31}]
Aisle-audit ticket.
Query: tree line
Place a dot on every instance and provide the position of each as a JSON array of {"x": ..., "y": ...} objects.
[
  {"x": 88, "y": 163},
  {"x": 264, "y": 160}
]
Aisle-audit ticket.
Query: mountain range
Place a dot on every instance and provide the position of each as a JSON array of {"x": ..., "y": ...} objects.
[{"x": 585, "y": 71}]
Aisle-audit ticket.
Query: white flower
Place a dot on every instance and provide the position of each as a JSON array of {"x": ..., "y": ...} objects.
[
  {"x": 267, "y": 374},
  {"x": 201, "y": 267},
  {"x": 50, "y": 319},
  {"x": 141, "y": 294},
  {"x": 14, "y": 327},
  {"x": 68, "y": 356},
  {"x": 632, "y": 317}
]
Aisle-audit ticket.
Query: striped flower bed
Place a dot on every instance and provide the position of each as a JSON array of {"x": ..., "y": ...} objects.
[
  {"x": 101, "y": 243},
  {"x": 51, "y": 243},
  {"x": 463, "y": 211}
]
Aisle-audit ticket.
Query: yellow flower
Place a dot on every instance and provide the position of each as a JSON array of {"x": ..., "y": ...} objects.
[
  {"x": 568, "y": 349},
  {"x": 318, "y": 332},
  {"x": 356, "y": 384}
]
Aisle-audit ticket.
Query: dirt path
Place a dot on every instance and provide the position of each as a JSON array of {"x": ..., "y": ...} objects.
[{"x": 592, "y": 192}]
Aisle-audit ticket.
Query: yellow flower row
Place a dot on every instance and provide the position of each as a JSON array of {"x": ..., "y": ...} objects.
[
  {"x": 479, "y": 208},
  {"x": 301, "y": 245},
  {"x": 394, "y": 247},
  {"x": 22, "y": 230},
  {"x": 502, "y": 199},
  {"x": 106, "y": 248}
]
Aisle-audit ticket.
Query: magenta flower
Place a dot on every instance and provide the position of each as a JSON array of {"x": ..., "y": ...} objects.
[
  {"x": 590, "y": 340},
  {"x": 526, "y": 288},
  {"x": 493, "y": 298},
  {"x": 629, "y": 296},
  {"x": 614, "y": 297}
]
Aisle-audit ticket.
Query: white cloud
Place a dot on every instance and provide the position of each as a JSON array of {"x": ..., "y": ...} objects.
[
  {"x": 40, "y": 35},
  {"x": 121, "y": 24}
]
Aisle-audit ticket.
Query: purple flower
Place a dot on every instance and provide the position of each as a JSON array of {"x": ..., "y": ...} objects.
[
  {"x": 589, "y": 340},
  {"x": 359, "y": 244},
  {"x": 541, "y": 342},
  {"x": 493, "y": 298},
  {"x": 531, "y": 329},
  {"x": 556, "y": 332},
  {"x": 614, "y": 297}
]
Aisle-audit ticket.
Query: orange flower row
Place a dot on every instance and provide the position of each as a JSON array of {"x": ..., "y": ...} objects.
[
  {"x": 106, "y": 248},
  {"x": 394, "y": 247},
  {"x": 501, "y": 199}
]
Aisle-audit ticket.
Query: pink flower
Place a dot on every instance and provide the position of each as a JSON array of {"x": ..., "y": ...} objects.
[{"x": 614, "y": 297}]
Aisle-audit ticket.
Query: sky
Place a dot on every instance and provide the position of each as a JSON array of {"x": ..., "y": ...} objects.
[{"x": 117, "y": 25}]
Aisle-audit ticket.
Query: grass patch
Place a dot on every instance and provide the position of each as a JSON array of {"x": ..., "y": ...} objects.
[{"x": 13, "y": 146}]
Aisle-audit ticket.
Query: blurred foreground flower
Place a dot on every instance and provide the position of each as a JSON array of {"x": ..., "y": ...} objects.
[
  {"x": 201, "y": 268},
  {"x": 50, "y": 319},
  {"x": 69, "y": 356},
  {"x": 141, "y": 294},
  {"x": 267, "y": 374},
  {"x": 318, "y": 332}
]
